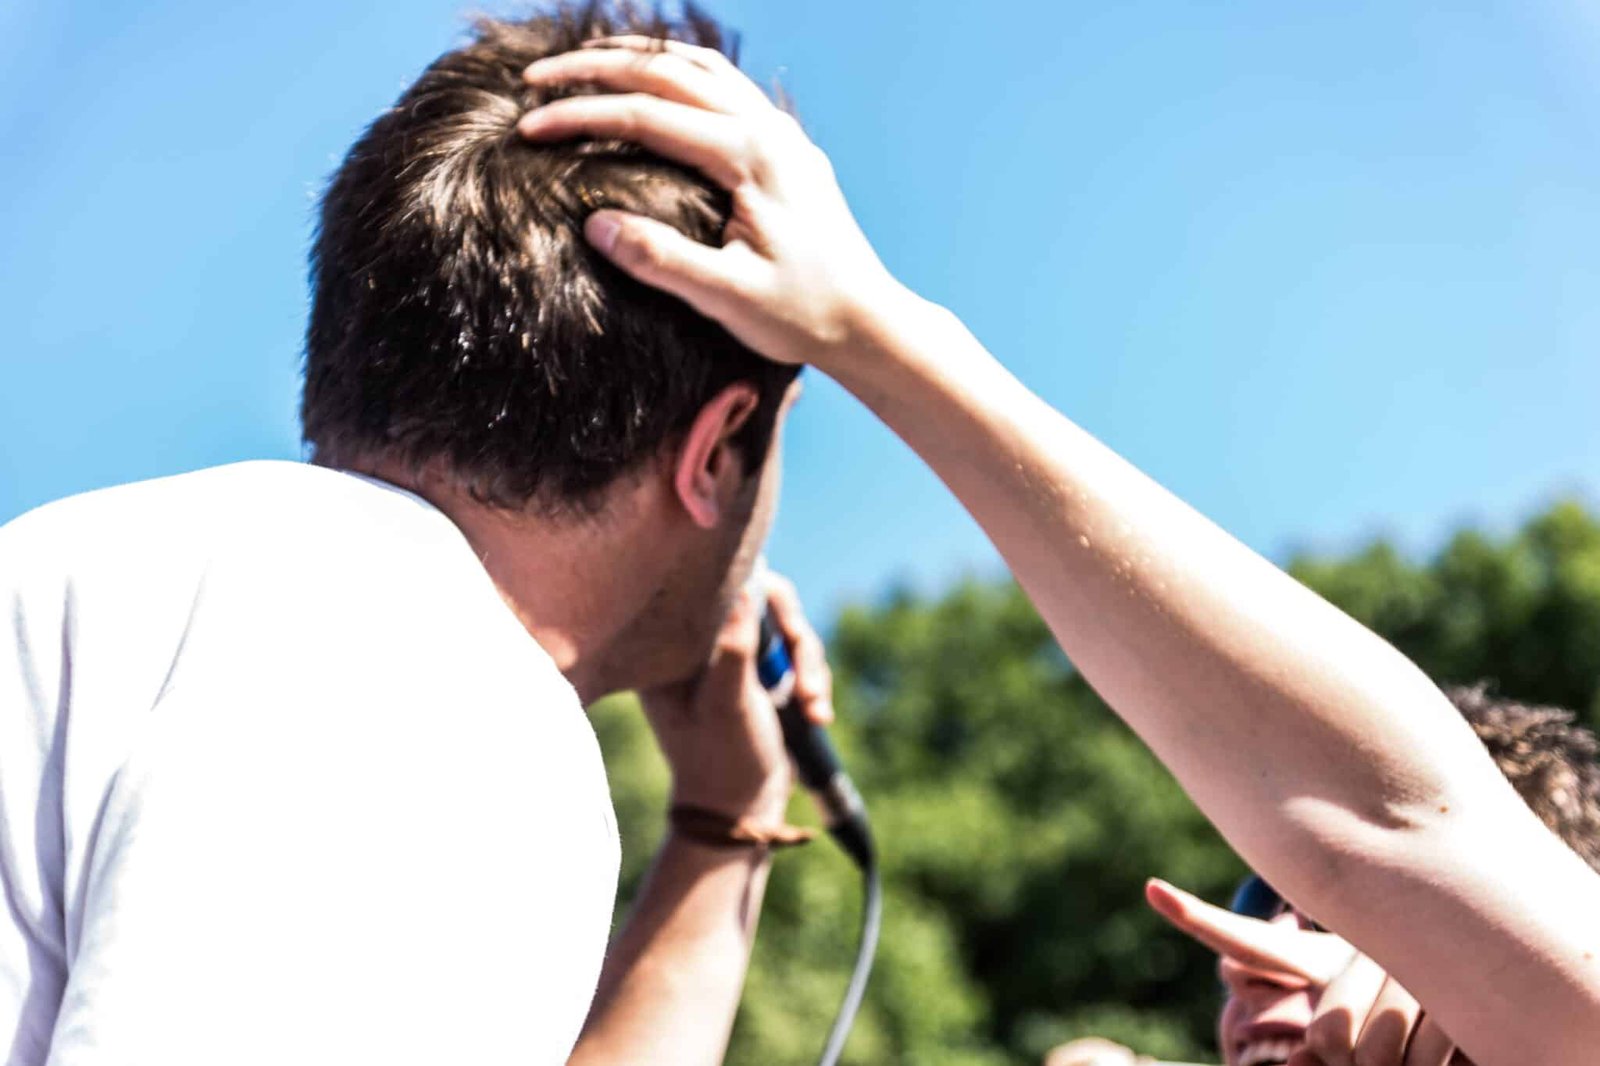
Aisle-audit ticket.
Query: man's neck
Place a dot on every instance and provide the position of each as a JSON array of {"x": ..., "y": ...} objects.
[{"x": 574, "y": 582}]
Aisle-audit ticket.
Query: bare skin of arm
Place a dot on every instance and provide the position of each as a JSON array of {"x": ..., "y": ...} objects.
[
  {"x": 672, "y": 979},
  {"x": 1328, "y": 760}
]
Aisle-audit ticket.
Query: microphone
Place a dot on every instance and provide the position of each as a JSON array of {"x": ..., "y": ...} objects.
[
  {"x": 816, "y": 762},
  {"x": 845, "y": 815}
]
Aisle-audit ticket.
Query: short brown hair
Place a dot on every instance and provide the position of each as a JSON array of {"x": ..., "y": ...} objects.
[
  {"x": 1547, "y": 757},
  {"x": 458, "y": 314}
]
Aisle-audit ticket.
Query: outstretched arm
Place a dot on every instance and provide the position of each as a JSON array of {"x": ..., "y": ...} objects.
[{"x": 1328, "y": 760}]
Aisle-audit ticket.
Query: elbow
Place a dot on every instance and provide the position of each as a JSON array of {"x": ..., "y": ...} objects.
[{"x": 1338, "y": 848}]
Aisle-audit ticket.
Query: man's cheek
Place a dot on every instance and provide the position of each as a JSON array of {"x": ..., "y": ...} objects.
[{"x": 1226, "y": 1023}]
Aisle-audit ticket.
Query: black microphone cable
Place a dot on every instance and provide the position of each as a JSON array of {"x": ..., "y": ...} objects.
[{"x": 843, "y": 811}]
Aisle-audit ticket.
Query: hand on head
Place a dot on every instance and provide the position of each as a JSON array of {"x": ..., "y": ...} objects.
[
  {"x": 795, "y": 278},
  {"x": 1301, "y": 993}
]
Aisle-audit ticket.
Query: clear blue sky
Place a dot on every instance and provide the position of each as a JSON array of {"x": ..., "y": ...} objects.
[{"x": 1326, "y": 270}]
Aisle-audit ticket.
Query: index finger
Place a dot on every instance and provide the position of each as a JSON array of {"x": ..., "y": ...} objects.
[
  {"x": 707, "y": 58},
  {"x": 662, "y": 74},
  {"x": 721, "y": 68},
  {"x": 1299, "y": 953},
  {"x": 711, "y": 142}
]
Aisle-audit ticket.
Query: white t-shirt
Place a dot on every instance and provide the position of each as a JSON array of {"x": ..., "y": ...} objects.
[{"x": 282, "y": 780}]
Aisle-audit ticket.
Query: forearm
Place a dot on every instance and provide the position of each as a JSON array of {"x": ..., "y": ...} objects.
[
  {"x": 1326, "y": 757},
  {"x": 673, "y": 977},
  {"x": 1206, "y": 648}
]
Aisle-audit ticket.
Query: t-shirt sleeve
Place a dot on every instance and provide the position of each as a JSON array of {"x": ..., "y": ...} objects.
[{"x": 260, "y": 804}]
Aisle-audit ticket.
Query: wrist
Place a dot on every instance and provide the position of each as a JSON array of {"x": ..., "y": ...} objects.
[
  {"x": 705, "y": 854},
  {"x": 766, "y": 805},
  {"x": 892, "y": 333},
  {"x": 708, "y": 830},
  {"x": 757, "y": 823}
]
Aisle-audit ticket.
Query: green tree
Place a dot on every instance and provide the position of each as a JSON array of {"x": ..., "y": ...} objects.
[
  {"x": 1522, "y": 612},
  {"x": 1018, "y": 818}
]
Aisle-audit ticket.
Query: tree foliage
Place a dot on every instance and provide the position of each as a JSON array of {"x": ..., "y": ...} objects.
[
  {"x": 1018, "y": 818},
  {"x": 1522, "y": 612}
]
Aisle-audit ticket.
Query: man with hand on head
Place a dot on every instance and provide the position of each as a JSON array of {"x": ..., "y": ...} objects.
[
  {"x": 1368, "y": 800},
  {"x": 293, "y": 759}
]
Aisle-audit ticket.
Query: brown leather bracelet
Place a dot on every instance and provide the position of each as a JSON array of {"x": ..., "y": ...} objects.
[{"x": 719, "y": 830}]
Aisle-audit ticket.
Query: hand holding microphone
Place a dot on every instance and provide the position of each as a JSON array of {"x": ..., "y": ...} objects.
[
  {"x": 793, "y": 670},
  {"x": 718, "y": 730}
]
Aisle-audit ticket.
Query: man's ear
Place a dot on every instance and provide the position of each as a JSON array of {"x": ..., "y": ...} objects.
[{"x": 709, "y": 469}]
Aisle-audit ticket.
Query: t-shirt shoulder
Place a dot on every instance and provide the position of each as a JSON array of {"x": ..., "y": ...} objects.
[{"x": 289, "y": 693}]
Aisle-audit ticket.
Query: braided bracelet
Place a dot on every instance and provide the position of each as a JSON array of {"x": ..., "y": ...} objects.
[{"x": 719, "y": 830}]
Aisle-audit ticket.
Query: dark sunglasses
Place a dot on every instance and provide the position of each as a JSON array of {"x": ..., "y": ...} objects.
[{"x": 1254, "y": 898}]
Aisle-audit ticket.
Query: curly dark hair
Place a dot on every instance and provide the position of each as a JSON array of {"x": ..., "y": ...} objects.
[
  {"x": 1549, "y": 759},
  {"x": 458, "y": 315}
]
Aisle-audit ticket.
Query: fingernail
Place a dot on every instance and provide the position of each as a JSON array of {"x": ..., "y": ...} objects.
[
  {"x": 602, "y": 228},
  {"x": 528, "y": 123},
  {"x": 1157, "y": 889}
]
